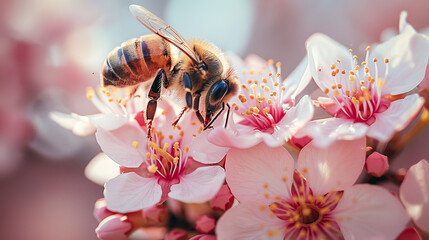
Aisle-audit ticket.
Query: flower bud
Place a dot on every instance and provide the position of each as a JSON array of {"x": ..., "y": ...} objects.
[
  {"x": 100, "y": 210},
  {"x": 205, "y": 224},
  {"x": 223, "y": 200},
  {"x": 115, "y": 227},
  {"x": 376, "y": 164}
]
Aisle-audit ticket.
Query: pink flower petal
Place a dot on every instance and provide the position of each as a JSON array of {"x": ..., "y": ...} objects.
[
  {"x": 206, "y": 152},
  {"x": 326, "y": 131},
  {"x": 205, "y": 224},
  {"x": 249, "y": 221},
  {"x": 297, "y": 80},
  {"x": 115, "y": 227},
  {"x": 399, "y": 114},
  {"x": 370, "y": 212},
  {"x": 414, "y": 194},
  {"x": 295, "y": 118},
  {"x": 259, "y": 173},
  {"x": 230, "y": 137},
  {"x": 129, "y": 192},
  {"x": 408, "y": 58},
  {"x": 334, "y": 168},
  {"x": 79, "y": 125},
  {"x": 404, "y": 26},
  {"x": 199, "y": 186},
  {"x": 101, "y": 169},
  {"x": 118, "y": 144},
  {"x": 108, "y": 121},
  {"x": 323, "y": 51}
]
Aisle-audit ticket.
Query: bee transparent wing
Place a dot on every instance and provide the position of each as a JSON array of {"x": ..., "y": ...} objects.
[{"x": 161, "y": 28}]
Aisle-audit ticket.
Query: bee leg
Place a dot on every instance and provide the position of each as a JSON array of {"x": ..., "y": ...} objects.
[
  {"x": 227, "y": 115},
  {"x": 217, "y": 115},
  {"x": 153, "y": 95},
  {"x": 196, "y": 107},
  {"x": 180, "y": 116}
]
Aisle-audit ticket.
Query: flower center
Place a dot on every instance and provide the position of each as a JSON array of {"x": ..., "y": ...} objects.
[
  {"x": 358, "y": 91},
  {"x": 306, "y": 214},
  {"x": 262, "y": 105}
]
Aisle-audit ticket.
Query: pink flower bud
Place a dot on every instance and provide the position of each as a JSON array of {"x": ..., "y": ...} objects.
[
  {"x": 205, "y": 224},
  {"x": 409, "y": 234},
  {"x": 115, "y": 227},
  {"x": 376, "y": 164},
  {"x": 155, "y": 214},
  {"x": 203, "y": 237},
  {"x": 100, "y": 210},
  {"x": 223, "y": 200},
  {"x": 176, "y": 234}
]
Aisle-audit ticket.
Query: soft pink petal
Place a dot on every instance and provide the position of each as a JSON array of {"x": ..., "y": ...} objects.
[
  {"x": 108, "y": 121},
  {"x": 414, "y": 194},
  {"x": 295, "y": 118},
  {"x": 79, "y": 125},
  {"x": 130, "y": 192},
  {"x": 101, "y": 169},
  {"x": 404, "y": 26},
  {"x": 118, "y": 144},
  {"x": 249, "y": 221},
  {"x": 323, "y": 51},
  {"x": 259, "y": 173},
  {"x": 370, "y": 212},
  {"x": 334, "y": 168},
  {"x": 329, "y": 105},
  {"x": 199, "y": 186},
  {"x": 206, "y": 152},
  {"x": 297, "y": 80},
  {"x": 325, "y": 131},
  {"x": 408, "y": 55},
  {"x": 399, "y": 114},
  {"x": 232, "y": 136}
]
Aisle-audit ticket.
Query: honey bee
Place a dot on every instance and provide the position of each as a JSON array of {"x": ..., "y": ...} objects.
[{"x": 197, "y": 71}]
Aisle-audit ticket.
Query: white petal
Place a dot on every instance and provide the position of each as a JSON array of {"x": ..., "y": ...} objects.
[
  {"x": 399, "y": 114},
  {"x": 108, "y": 121},
  {"x": 199, "y": 186},
  {"x": 370, "y": 212},
  {"x": 118, "y": 144},
  {"x": 129, "y": 192},
  {"x": 297, "y": 80},
  {"x": 408, "y": 55},
  {"x": 79, "y": 125},
  {"x": 101, "y": 169},
  {"x": 326, "y": 131}
]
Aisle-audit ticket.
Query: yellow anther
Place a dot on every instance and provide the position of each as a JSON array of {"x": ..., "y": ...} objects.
[
  {"x": 362, "y": 83},
  {"x": 355, "y": 57},
  {"x": 176, "y": 145},
  {"x": 350, "y": 50},
  {"x": 186, "y": 149},
  {"x": 166, "y": 145},
  {"x": 252, "y": 72},
  {"x": 267, "y": 89},
  {"x": 135, "y": 144},
  {"x": 343, "y": 72},
  {"x": 266, "y": 110},
  {"x": 367, "y": 48},
  {"x": 270, "y": 74},
  {"x": 357, "y": 67},
  {"x": 306, "y": 211},
  {"x": 264, "y": 80},
  {"x": 352, "y": 77},
  {"x": 148, "y": 155},
  {"x": 200, "y": 129},
  {"x": 108, "y": 93},
  {"x": 182, "y": 133},
  {"x": 110, "y": 99},
  {"x": 352, "y": 73},
  {"x": 386, "y": 60},
  {"x": 325, "y": 210},
  {"x": 363, "y": 63},
  {"x": 339, "y": 86},
  {"x": 152, "y": 168},
  {"x": 283, "y": 88},
  {"x": 319, "y": 69},
  {"x": 326, "y": 91},
  {"x": 278, "y": 64},
  {"x": 366, "y": 69},
  {"x": 176, "y": 153},
  {"x": 269, "y": 101},
  {"x": 336, "y": 93},
  {"x": 273, "y": 206},
  {"x": 152, "y": 145},
  {"x": 249, "y": 81},
  {"x": 375, "y": 59},
  {"x": 278, "y": 75},
  {"x": 333, "y": 66},
  {"x": 154, "y": 157},
  {"x": 334, "y": 86},
  {"x": 175, "y": 160},
  {"x": 348, "y": 93},
  {"x": 334, "y": 73},
  {"x": 338, "y": 60}
]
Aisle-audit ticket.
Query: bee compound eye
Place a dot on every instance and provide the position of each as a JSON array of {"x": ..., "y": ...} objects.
[{"x": 217, "y": 92}]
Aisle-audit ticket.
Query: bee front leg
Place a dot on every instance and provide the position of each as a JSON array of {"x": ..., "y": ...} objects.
[
  {"x": 188, "y": 88},
  {"x": 196, "y": 107},
  {"x": 153, "y": 95}
]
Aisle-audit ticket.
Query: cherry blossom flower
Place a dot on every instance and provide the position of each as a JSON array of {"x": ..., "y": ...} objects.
[
  {"x": 414, "y": 194},
  {"x": 169, "y": 165},
  {"x": 360, "y": 94},
  {"x": 265, "y": 106},
  {"x": 316, "y": 201},
  {"x": 115, "y": 106}
]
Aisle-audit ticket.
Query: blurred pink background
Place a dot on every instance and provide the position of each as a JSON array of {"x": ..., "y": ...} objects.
[{"x": 52, "y": 50}]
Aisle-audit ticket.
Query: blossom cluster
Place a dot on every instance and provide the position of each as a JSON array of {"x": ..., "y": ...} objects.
[{"x": 239, "y": 179}]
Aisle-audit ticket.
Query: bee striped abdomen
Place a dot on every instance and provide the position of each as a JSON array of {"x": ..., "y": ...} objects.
[{"x": 136, "y": 60}]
